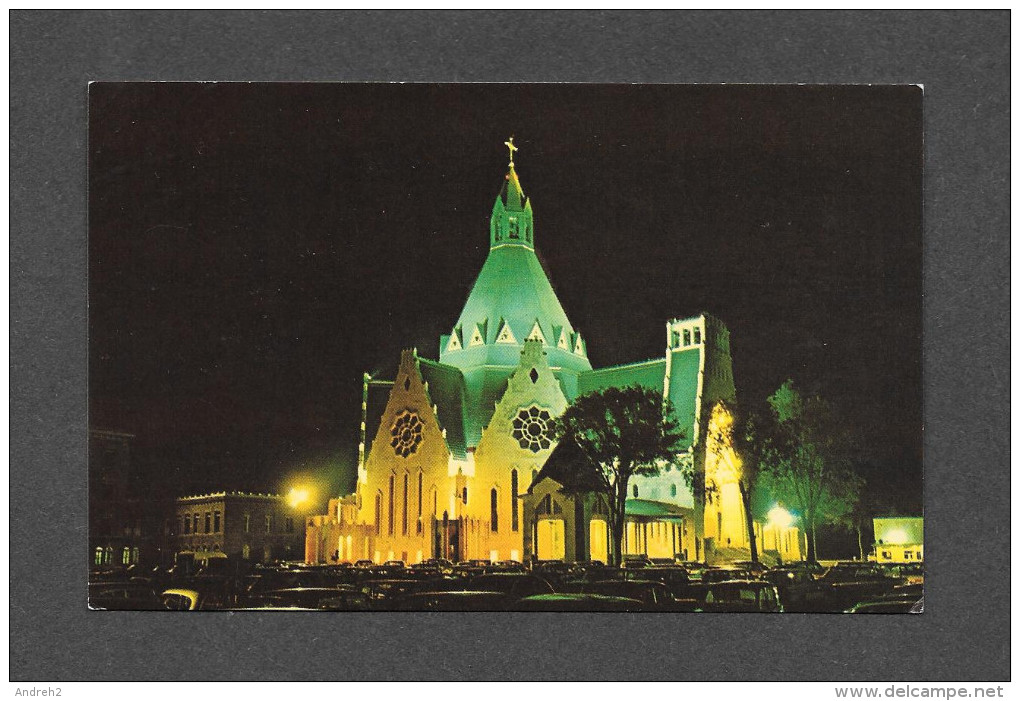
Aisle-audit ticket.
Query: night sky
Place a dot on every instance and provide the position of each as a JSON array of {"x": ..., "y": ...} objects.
[{"x": 255, "y": 247}]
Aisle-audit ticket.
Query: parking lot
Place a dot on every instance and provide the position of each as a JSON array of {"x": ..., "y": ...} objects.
[{"x": 480, "y": 585}]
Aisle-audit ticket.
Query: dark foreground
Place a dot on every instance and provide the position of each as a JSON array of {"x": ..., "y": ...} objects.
[{"x": 438, "y": 585}]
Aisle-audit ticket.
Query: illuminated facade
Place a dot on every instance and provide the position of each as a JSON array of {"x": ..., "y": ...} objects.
[
  {"x": 898, "y": 540},
  {"x": 452, "y": 450}
]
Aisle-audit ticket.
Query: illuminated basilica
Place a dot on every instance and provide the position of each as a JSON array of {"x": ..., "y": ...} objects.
[{"x": 453, "y": 456}]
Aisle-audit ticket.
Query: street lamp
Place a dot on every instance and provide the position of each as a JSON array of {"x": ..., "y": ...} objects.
[{"x": 297, "y": 496}]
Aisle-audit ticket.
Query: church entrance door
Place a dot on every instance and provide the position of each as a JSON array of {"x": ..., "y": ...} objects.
[{"x": 446, "y": 542}]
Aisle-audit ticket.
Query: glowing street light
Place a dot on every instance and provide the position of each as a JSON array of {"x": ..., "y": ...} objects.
[
  {"x": 780, "y": 517},
  {"x": 297, "y": 496}
]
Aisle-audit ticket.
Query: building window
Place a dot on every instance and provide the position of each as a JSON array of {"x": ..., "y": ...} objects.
[
  {"x": 403, "y": 513},
  {"x": 187, "y": 524},
  {"x": 687, "y": 337},
  {"x": 493, "y": 510},
  {"x": 208, "y": 522},
  {"x": 125, "y": 556},
  {"x": 672, "y": 490},
  {"x": 419, "y": 500},
  {"x": 247, "y": 523},
  {"x": 134, "y": 556},
  {"x": 675, "y": 339},
  {"x": 464, "y": 495},
  {"x": 697, "y": 336},
  {"x": 269, "y": 523},
  {"x": 635, "y": 490},
  {"x": 98, "y": 560},
  {"x": 378, "y": 513},
  {"x": 245, "y": 552},
  {"x": 531, "y": 429},
  {"x": 389, "y": 504},
  {"x": 108, "y": 555},
  {"x": 194, "y": 523},
  {"x": 514, "y": 519},
  {"x": 216, "y": 522}
]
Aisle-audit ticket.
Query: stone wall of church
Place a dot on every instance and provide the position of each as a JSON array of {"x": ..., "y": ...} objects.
[
  {"x": 406, "y": 484},
  {"x": 513, "y": 448}
]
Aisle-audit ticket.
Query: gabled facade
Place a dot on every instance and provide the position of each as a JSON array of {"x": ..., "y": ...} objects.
[{"x": 449, "y": 466}]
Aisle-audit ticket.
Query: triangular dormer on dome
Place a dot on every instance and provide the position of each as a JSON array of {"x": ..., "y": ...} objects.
[
  {"x": 578, "y": 345},
  {"x": 536, "y": 333},
  {"x": 563, "y": 340},
  {"x": 505, "y": 334},
  {"x": 478, "y": 335},
  {"x": 456, "y": 341}
]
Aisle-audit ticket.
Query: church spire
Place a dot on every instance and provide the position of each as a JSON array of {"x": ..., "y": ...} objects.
[{"x": 511, "y": 223}]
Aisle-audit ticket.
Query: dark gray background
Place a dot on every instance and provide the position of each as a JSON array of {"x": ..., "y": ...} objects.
[{"x": 962, "y": 58}]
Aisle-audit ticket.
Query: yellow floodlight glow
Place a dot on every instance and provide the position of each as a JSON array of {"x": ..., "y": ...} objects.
[
  {"x": 780, "y": 517},
  {"x": 897, "y": 537},
  {"x": 297, "y": 496}
]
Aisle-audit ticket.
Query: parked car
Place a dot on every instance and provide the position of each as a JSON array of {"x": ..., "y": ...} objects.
[
  {"x": 453, "y": 601},
  {"x": 513, "y": 586},
  {"x": 654, "y": 596},
  {"x": 313, "y": 598},
  {"x": 748, "y": 596},
  {"x": 726, "y": 574},
  {"x": 793, "y": 585},
  {"x": 890, "y": 606},
  {"x": 123, "y": 596}
]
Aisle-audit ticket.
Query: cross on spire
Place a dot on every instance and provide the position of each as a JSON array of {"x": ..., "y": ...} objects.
[{"x": 510, "y": 145}]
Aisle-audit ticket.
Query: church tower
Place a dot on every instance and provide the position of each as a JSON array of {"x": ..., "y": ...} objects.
[{"x": 511, "y": 301}]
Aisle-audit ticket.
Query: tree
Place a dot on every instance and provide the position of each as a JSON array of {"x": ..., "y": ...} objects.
[
  {"x": 805, "y": 454},
  {"x": 731, "y": 438},
  {"x": 622, "y": 432}
]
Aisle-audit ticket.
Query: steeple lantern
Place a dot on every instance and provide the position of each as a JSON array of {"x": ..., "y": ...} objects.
[{"x": 511, "y": 223}]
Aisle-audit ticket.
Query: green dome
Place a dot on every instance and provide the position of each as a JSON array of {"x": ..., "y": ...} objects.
[{"x": 512, "y": 300}]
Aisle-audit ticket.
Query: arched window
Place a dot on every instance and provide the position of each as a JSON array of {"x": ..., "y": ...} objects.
[
  {"x": 389, "y": 507},
  {"x": 246, "y": 552},
  {"x": 419, "y": 500},
  {"x": 494, "y": 510},
  {"x": 514, "y": 518},
  {"x": 378, "y": 513},
  {"x": 99, "y": 557},
  {"x": 672, "y": 490},
  {"x": 134, "y": 556},
  {"x": 108, "y": 555},
  {"x": 464, "y": 495},
  {"x": 403, "y": 513},
  {"x": 635, "y": 490}
]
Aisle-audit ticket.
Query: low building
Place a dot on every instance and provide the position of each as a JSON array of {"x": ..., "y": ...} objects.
[
  {"x": 124, "y": 517},
  {"x": 899, "y": 539},
  {"x": 251, "y": 527}
]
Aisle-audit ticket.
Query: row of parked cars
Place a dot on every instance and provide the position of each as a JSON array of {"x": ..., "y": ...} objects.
[{"x": 480, "y": 585}]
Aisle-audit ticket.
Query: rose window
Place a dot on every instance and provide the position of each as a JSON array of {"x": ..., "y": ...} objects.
[
  {"x": 406, "y": 433},
  {"x": 531, "y": 429}
]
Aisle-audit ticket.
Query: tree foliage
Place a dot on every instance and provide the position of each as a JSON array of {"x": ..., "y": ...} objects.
[
  {"x": 623, "y": 432},
  {"x": 804, "y": 458}
]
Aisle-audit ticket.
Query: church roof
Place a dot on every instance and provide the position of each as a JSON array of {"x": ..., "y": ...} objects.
[
  {"x": 571, "y": 468},
  {"x": 446, "y": 391},
  {"x": 649, "y": 374}
]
